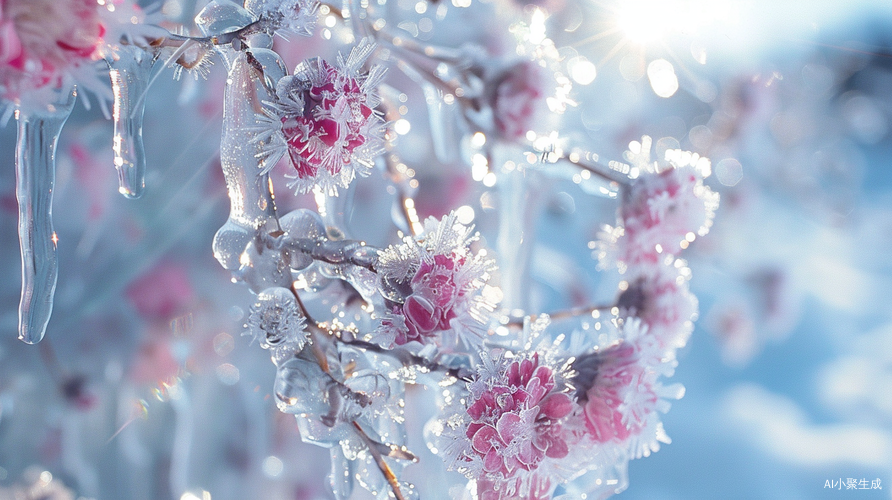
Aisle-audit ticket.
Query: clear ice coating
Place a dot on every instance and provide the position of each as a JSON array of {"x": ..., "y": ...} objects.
[
  {"x": 515, "y": 240},
  {"x": 38, "y": 133},
  {"x": 130, "y": 70},
  {"x": 250, "y": 71}
]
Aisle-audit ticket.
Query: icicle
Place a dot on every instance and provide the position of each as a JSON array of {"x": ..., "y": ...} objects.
[
  {"x": 38, "y": 133},
  {"x": 130, "y": 77},
  {"x": 517, "y": 221},
  {"x": 335, "y": 209},
  {"x": 251, "y": 71}
]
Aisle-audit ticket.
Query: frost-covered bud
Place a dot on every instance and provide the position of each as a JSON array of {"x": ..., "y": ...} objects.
[
  {"x": 659, "y": 296},
  {"x": 667, "y": 207},
  {"x": 290, "y": 16},
  {"x": 512, "y": 431},
  {"x": 42, "y": 39},
  {"x": 275, "y": 321},
  {"x": 325, "y": 120},
  {"x": 519, "y": 98},
  {"x": 618, "y": 389},
  {"x": 433, "y": 282}
]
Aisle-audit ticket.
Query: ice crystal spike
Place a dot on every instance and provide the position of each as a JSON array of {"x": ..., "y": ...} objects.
[
  {"x": 130, "y": 73},
  {"x": 38, "y": 133}
]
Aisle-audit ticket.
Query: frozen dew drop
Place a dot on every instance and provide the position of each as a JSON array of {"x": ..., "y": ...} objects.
[
  {"x": 729, "y": 172},
  {"x": 582, "y": 70},
  {"x": 273, "y": 466},
  {"x": 662, "y": 78},
  {"x": 38, "y": 134}
]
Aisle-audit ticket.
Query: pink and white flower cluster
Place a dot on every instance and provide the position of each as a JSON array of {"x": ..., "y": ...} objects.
[
  {"x": 432, "y": 283},
  {"x": 660, "y": 297},
  {"x": 42, "y": 39},
  {"x": 512, "y": 436},
  {"x": 619, "y": 390},
  {"x": 664, "y": 210},
  {"x": 325, "y": 120}
]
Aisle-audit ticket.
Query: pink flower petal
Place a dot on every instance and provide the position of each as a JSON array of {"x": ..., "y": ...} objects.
[
  {"x": 483, "y": 439},
  {"x": 510, "y": 426},
  {"x": 556, "y": 406}
]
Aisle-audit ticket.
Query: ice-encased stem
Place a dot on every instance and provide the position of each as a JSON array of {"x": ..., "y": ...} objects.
[
  {"x": 253, "y": 74},
  {"x": 38, "y": 133},
  {"x": 130, "y": 73}
]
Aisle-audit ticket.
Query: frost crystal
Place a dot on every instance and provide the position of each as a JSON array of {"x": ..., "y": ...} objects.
[
  {"x": 276, "y": 323},
  {"x": 289, "y": 16},
  {"x": 324, "y": 118},
  {"x": 433, "y": 283}
]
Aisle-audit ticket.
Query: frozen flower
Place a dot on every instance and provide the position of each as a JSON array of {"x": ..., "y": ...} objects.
[
  {"x": 518, "y": 93},
  {"x": 324, "y": 119},
  {"x": 276, "y": 323},
  {"x": 658, "y": 294},
  {"x": 42, "y": 39},
  {"x": 618, "y": 389},
  {"x": 290, "y": 16},
  {"x": 667, "y": 206},
  {"x": 432, "y": 284},
  {"x": 512, "y": 428}
]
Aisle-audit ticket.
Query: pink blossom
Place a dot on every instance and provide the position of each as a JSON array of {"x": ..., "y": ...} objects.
[
  {"x": 516, "y": 99},
  {"x": 334, "y": 116},
  {"x": 604, "y": 377},
  {"x": 326, "y": 121},
  {"x": 39, "y": 39},
  {"x": 658, "y": 294},
  {"x": 434, "y": 296},
  {"x": 516, "y": 423},
  {"x": 433, "y": 282},
  {"x": 662, "y": 211},
  {"x": 162, "y": 292}
]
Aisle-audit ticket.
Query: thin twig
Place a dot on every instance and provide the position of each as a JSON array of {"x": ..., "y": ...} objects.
[
  {"x": 316, "y": 250},
  {"x": 315, "y": 331},
  {"x": 407, "y": 358},
  {"x": 563, "y": 314},
  {"x": 323, "y": 363},
  {"x": 602, "y": 171},
  {"x": 174, "y": 40},
  {"x": 407, "y": 203}
]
